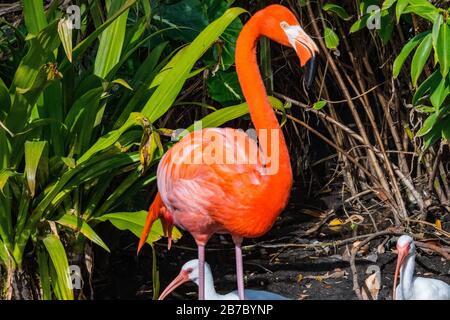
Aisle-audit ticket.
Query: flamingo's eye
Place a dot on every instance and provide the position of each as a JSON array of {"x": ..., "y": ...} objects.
[
  {"x": 189, "y": 270},
  {"x": 284, "y": 25}
]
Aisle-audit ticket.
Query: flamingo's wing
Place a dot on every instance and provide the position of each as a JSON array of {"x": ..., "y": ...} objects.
[{"x": 213, "y": 172}]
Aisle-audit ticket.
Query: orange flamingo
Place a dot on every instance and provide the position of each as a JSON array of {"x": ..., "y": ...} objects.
[{"x": 211, "y": 181}]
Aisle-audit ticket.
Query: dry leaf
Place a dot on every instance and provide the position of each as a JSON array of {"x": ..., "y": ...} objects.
[
  {"x": 373, "y": 283},
  {"x": 303, "y": 296},
  {"x": 438, "y": 224},
  {"x": 299, "y": 278}
]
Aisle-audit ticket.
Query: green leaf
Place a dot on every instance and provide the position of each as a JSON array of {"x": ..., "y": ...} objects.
[
  {"x": 439, "y": 94},
  {"x": 224, "y": 87},
  {"x": 331, "y": 38},
  {"x": 83, "y": 45},
  {"x": 424, "y": 9},
  {"x": 430, "y": 84},
  {"x": 443, "y": 48},
  {"x": 338, "y": 10},
  {"x": 34, "y": 151},
  {"x": 387, "y": 4},
  {"x": 319, "y": 104},
  {"x": 428, "y": 124},
  {"x": 406, "y": 50},
  {"x": 134, "y": 222},
  {"x": 435, "y": 31},
  {"x": 123, "y": 83},
  {"x": 166, "y": 93},
  {"x": 5, "y": 100},
  {"x": 78, "y": 224},
  {"x": 5, "y": 174},
  {"x": 44, "y": 273},
  {"x": 401, "y": 5},
  {"x": 34, "y": 14},
  {"x": 359, "y": 24},
  {"x": 59, "y": 259},
  {"x": 221, "y": 116},
  {"x": 111, "y": 41},
  {"x": 420, "y": 58}
]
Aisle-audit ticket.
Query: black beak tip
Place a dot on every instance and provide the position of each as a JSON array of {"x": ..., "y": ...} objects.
[{"x": 310, "y": 72}]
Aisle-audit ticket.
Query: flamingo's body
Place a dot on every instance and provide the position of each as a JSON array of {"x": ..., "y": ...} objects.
[
  {"x": 219, "y": 180},
  {"x": 411, "y": 287},
  {"x": 189, "y": 272}
]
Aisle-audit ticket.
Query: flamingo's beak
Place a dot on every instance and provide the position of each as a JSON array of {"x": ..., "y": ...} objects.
[
  {"x": 402, "y": 254},
  {"x": 305, "y": 48},
  {"x": 183, "y": 277}
]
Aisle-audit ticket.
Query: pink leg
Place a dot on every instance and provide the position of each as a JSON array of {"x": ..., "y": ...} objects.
[
  {"x": 239, "y": 266},
  {"x": 201, "y": 272}
]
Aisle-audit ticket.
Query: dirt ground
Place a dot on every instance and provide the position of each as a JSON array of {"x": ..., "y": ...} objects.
[{"x": 277, "y": 262}]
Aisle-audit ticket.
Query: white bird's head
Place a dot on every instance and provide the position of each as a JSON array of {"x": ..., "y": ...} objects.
[
  {"x": 405, "y": 248},
  {"x": 189, "y": 272}
]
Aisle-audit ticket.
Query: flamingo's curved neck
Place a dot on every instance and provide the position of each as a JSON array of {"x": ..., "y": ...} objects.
[
  {"x": 261, "y": 112},
  {"x": 407, "y": 275}
]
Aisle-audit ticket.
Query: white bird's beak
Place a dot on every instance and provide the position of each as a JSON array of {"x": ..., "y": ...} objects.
[
  {"x": 402, "y": 254},
  {"x": 182, "y": 277}
]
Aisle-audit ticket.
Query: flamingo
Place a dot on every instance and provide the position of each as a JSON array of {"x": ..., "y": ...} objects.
[
  {"x": 189, "y": 272},
  {"x": 204, "y": 190},
  {"x": 415, "y": 288}
]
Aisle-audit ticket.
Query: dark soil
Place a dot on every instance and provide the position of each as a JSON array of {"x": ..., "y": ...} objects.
[{"x": 297, "y": 273}]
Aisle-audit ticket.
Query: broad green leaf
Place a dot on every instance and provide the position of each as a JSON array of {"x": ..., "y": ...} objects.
[
  {"x": 430, "y": 84},
  {"x": 34, "y": 151},
  {"x": 58, "y": 257},
  {"x": 5, "y": 174},
  {"x": 82, "y": 226},
  {"x": 123, "y": 83},
  {"x": 5, "y": 100},
  {"x": 110, "y": 138},
  {"x": 65, "y": 34},
  {"x": 166, "y": 93},
  {"x": 406, "y": 50},
  {"x": 420, "y": 58},
  {"x": 400, "y": 7},
  {"x": 35, "y": 19},
  {"x": 435, "y": 31},
  {"x": 111, "y": 41},
  {"x": 387, "y": 4},
  {"x": 134, "y": 222},
  {"x": 359, "y": 24},
  {"x": 331, "y": 38},
  {"x": 44, "y": 273},
  {"x": 319, "y": 104},
  {"x": 4, "y": 257},
  {"x": 439, "y": 94},
  {"x": 28, "y": 73},
  {"x": 83, "y": 45},
  {"x": 443, "y": 48},
  {"x": 446, "y": 128},
  {"x": 221, "y": 116},
  {"x": 425, "y": 10},
  {"x": 336, "y": 9},
  {"x": 428, "y": 124},
  {"x": 224, "y": 87}
]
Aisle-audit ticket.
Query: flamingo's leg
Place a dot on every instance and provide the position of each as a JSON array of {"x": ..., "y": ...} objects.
[
  {"x": 201, "y": 271},
  {"x": 239, "y": 266}
]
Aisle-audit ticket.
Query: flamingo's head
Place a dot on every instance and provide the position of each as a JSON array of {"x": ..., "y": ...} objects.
[
  {"x": 189, "y": 272},
  {"x": 280, "y": 24},
  {"x": 405, "y": 248}
]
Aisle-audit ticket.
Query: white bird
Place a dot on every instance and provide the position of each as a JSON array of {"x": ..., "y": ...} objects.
[
  {"x": 411, "y": 287},
  {"x": 189, "y": 272}
]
